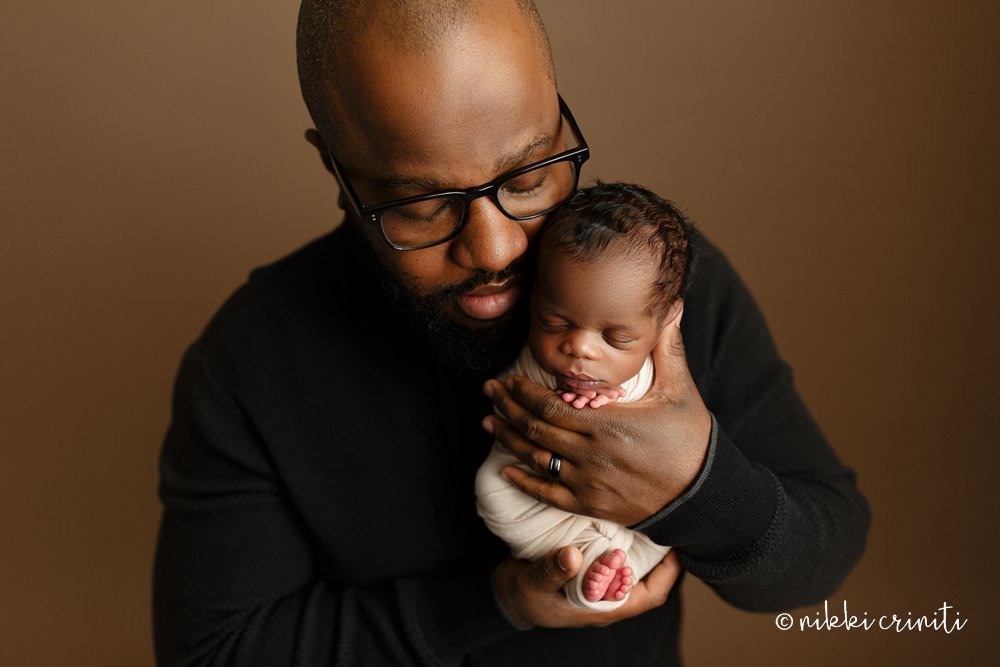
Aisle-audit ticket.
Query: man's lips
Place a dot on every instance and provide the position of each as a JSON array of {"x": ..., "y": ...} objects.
[{"x": 490, "y": 301}]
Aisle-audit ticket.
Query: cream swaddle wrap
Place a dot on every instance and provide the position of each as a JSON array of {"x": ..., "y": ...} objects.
[{"x": 532, "y": 528}]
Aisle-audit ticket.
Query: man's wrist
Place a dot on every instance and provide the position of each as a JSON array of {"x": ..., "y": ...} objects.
[
  {"x": 449, "y": 615},
  {"x": 507, "y": 616},
  {"x": 732, "y": 506},
  {"x": 693, "y": 488}
]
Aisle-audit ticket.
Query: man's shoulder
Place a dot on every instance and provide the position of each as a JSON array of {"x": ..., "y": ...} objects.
[
  {"x": 301, "y": 296},
  {"x": 719, "y": 310},
  {"x": 710, "y": 271},
  {"x": 268, "y": 288},
  {"x": 713, "y": 285}
]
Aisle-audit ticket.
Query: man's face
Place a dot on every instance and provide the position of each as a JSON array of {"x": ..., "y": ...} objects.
[
  {"x": 591, "y": 323},
  {"x": 458, "y": 115}
]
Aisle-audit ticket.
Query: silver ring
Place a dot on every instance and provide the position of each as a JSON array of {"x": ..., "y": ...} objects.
[{"x": 555, "y": 463}]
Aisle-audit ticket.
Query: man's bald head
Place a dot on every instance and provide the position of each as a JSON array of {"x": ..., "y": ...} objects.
[{"x": 334, "y": 34}]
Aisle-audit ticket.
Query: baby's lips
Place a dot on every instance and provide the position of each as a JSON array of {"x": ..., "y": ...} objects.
[{"x": 577, "y": 383}]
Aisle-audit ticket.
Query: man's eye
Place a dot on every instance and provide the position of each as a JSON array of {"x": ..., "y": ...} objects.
[
  {"x": 426, "y": 211},
  {"x": 526, "y": 184}
]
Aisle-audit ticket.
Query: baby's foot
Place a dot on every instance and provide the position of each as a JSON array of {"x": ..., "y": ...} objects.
[{"x": 608, "y": 578}]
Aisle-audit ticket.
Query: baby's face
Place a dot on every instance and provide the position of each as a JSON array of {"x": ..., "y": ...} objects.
[{"x": 591, "y": 324}]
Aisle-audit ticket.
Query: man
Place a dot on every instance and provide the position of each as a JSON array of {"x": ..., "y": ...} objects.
[{"x": 317, "y": 475}]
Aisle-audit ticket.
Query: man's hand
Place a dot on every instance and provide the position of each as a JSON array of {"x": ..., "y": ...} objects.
[
  {"x": 532, "y": 592},
  {"x": 624, "y": 462}
]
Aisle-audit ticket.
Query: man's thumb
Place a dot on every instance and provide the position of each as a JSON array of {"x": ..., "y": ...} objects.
[{"x": 558, "y": 567}]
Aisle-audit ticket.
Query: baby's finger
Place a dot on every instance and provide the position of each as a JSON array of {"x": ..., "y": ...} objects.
[{"x": 599, "y": 401}]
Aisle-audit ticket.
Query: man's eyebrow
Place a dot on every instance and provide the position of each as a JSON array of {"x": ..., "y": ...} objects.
[
  {"x": 401, "y": 182},
  {"x": 389, "y": 182},
  {"x": 511, "y": 161}
]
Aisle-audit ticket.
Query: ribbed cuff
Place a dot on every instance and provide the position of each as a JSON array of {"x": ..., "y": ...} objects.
[
  {"x": 730, "y": 506},
  {"x": 449, "y": 616},
  {"x": 506, "y": 615},
  {"x": 671, "y": 507}
]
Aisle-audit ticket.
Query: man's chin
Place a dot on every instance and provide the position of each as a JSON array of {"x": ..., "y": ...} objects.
[
  {"x": 468, "y": 345},
  {"x": 457, "y": 335},
  {"x": 475, "y": 345}
]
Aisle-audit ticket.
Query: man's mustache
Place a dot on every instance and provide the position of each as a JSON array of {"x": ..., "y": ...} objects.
[{"x": 479, "y": 278}]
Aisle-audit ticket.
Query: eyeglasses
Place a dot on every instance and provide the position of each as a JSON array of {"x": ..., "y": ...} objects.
[{"x": 525, "y": 193}]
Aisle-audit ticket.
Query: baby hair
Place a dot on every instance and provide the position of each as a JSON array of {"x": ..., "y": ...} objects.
[{"x": 627, "y": 219}]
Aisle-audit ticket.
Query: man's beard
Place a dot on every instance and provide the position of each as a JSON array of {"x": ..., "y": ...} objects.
[{"x": 483, "y": 349}]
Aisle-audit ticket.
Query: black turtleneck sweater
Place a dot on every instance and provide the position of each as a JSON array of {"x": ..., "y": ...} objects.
[{"x": 317, "y": 483}]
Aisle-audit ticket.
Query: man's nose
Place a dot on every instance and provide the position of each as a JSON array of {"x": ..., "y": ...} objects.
[
  {"x": 580, "y": 345},
  {"x": 490, "y": 240}
]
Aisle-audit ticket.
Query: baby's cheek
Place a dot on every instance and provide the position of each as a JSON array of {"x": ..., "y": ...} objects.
[
  {"x": 542, "y": 349},
  {"x": 629, "y": 365}
]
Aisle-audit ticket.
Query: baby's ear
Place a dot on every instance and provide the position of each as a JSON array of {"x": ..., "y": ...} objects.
[{"x": 673, "y": 315}]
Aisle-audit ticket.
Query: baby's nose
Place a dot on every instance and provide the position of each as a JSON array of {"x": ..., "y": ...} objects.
[{"x": 581, "y": 345}]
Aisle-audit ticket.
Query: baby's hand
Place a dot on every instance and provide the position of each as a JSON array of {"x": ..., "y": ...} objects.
[{"x": 594, "y": 397}]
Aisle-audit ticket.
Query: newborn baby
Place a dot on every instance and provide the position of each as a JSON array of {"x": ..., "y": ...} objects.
[{"x": 611, "y": 267}]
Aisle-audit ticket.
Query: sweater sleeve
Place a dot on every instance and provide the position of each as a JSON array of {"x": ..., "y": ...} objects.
[
  {"x": 774, "y": 519},
  {"x": 236, "y": 578}
]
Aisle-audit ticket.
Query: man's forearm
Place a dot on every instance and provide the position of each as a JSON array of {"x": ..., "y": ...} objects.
[
  {"x": 765, "y": 542},
  {"x": 774, "y": 519},
  {"x": 237, "y": 577}
]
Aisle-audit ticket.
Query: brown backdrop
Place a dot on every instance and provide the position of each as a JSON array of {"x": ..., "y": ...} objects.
[{"x": 842, "y": 154}]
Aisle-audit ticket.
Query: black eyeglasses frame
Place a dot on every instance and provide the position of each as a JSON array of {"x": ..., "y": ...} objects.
[{"x": 373, "y": 214}]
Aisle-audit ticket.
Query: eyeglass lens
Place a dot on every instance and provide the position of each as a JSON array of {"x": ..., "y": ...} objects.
[{"x": 524, "y": 195}]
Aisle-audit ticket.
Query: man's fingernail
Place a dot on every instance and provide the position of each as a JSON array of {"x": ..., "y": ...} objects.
[
  {"x": 509, "y": 383},
  {"x": 559, "y": 562},
  {"x": 488, "y": 389},
  {"x": 488, "y": 425}
]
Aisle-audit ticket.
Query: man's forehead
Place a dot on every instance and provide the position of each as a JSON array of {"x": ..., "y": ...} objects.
[
  {"x": 476, "y": 102},
  {"x": 399, "y": 177},
  {"x": 358, "y": 60},
  {"x": 492, "y": 57},
  {"x": 410, "y": 136}
]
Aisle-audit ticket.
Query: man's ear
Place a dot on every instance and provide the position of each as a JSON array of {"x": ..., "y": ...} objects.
[{"x": 312, "y": 136}]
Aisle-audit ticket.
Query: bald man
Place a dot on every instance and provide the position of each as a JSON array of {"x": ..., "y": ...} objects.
[{"x": 317, "y": 476}]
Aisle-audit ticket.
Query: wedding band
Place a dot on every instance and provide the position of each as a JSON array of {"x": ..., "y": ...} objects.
[{"x": 554, "y": 464}]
